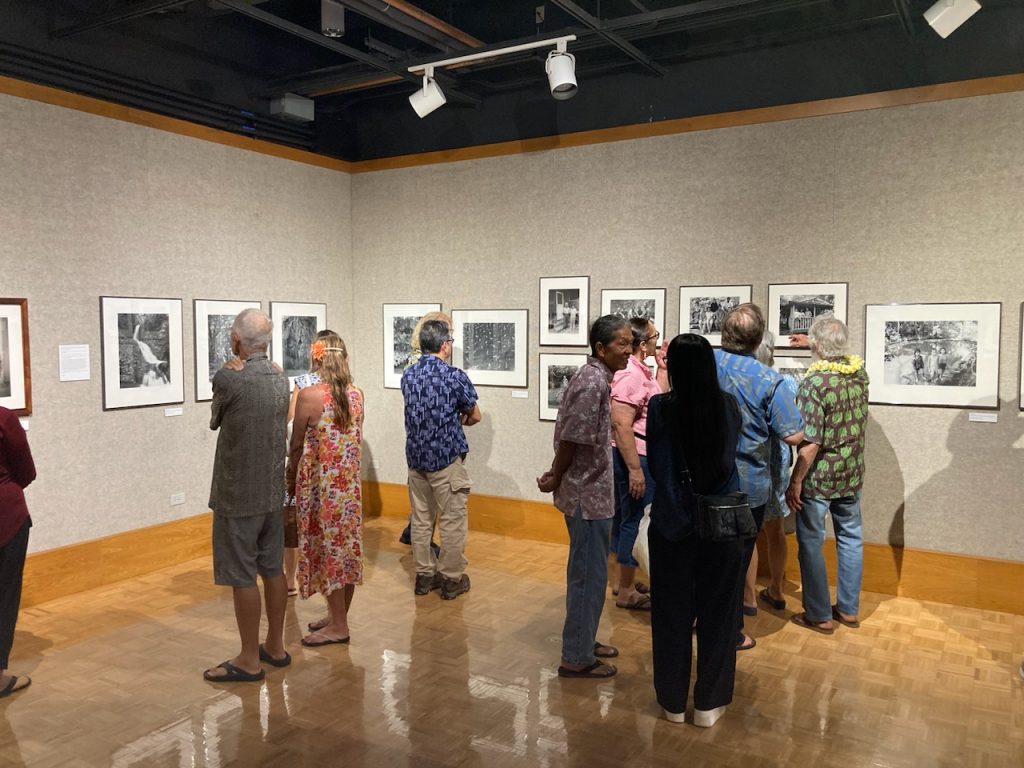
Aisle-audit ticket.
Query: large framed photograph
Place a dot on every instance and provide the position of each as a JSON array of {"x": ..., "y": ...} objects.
[
  {"x": 636, "y": 302},
  {"x": 793, "y": 367},
  {"x": 141, "y": 343},
  {"x": 792, "y": 307},
  {"x": 295, "y": 328},
  {"x": 555, "y": 372},
  {"x": 490, "y": 345},
  {"x": 702, "y": 308},
  {"x": 564, "y": 311},
  {"x": 399, "y": 322},
  {"x": 212, "y": 320},
  {"x": 933, "y": 354},
  {"x": 15, "y": 367}
]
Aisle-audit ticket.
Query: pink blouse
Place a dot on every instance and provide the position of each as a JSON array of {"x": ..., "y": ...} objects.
[{"x": 634, "y": 386}]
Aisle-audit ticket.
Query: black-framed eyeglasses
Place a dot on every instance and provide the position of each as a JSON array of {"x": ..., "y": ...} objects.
[
  {"x": 653, "y": 337},
  {"x": 450, "y": 339}
]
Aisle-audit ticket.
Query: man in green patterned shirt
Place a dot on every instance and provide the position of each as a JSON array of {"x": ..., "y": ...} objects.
[{"x": 829, "y": 473}]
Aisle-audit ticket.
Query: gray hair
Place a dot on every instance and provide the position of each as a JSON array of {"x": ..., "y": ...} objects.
[
  {"x": 765, "y": 353},
  {"x": 433, "y": 335},
  {"x": 604, "y": 329},
  {"x": 828, "y": 337},
  {"x": 253, "y": 328}
]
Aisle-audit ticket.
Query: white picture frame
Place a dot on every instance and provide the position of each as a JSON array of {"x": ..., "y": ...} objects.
[
  {"x": 399, "y": 322},
  {"x": 212, "y": 320},
  {"x": 296, "y": 325},
  {"x": 943, "y": 355},
  {"x": 141, "y": 352},
  {"x": 490, "y": 346},
  {"x": 637, "y": 302},
  {"x": 555, "y": 371},
  {"x": 792, "y": 307},
  {"x": 703, "y": 307},
  {"x": 15, "y": 365},
  {"x": 564, "y": 315}
]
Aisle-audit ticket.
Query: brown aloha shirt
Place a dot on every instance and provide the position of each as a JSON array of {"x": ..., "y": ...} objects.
[{"x": 835, "y": 411}]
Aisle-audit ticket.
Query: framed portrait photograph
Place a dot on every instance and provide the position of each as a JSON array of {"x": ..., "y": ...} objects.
[
  {"x": 555, "y": 372},
  {"x": 564, "y": 311},
  {"x": 792, "y": 307},
  {"x": 296, "y": 325},
  {"x": 933, "y": 354},
  {"x": 490, "y": 346},
  {"x": 793, "y": 367},
  {"x": 15, "y": 367},
  {"x": 399, "y": 322},
  {"x": 212, "y": 319},
  {"x": 702, "y": 308},
  {"x": 141, "y": 349}
]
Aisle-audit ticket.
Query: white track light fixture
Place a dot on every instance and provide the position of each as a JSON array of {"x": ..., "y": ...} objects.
[
  {"x": 332, "y": 19},
  {"x": 430, "y": 97},
  {"x": 946, "y": 16},
  {"x": 561, "y": 69}
]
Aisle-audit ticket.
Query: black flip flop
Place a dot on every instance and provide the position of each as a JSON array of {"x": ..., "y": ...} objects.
[
  {"x": 234, "y": 674},
  {"x": 845, "y": 622},
  {"x": 801, "y": 620},
  {"x": 339, "y": 641},
  {"x": 741, "y": 647},
  {"x": 268, "y": 659},
  {"x": 610, "y": 653},
  {"x": 766, "y": 597},
  {"x": 594, "y": 670},
  {"x": 11, "y": 686}
]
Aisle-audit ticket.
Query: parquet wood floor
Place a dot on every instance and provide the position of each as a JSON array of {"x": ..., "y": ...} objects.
[{"x": 471, "y": 682}]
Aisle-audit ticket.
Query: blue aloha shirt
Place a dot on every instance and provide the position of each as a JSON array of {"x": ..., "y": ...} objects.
[{"x": 436, "y": 394}]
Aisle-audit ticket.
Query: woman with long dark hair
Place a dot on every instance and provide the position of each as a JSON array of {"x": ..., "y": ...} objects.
[{"x": 695, "y": 424}]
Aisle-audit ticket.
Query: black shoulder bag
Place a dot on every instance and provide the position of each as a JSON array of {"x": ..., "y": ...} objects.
[{"x": 719, "y": 516}]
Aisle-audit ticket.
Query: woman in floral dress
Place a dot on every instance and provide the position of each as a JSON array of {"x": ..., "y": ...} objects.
[{"x": 324, "y": 476}]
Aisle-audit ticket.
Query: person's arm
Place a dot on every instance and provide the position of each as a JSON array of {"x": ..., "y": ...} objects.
[
  {"x": 468, "y": 400},
  {"x": 472, "y": 417},
  {"x": 17, "y": 453},
  {"x": 291, "y": 404},
  {"x": 623, "y": 415},
  {"x": 550, "y": 480},
  {"x": 661, "y": 358},
  {"x": 795, "y": 439},
  {"x": 305, "y": 414},
  {"x": 221, "y": 400},
  {"x": 804, "y": 461}
]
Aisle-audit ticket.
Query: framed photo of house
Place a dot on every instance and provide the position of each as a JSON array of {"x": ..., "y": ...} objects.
[
  {"x": 296, "y": 325},
  {"x": 702, "y": 308},
  {"x": 933, "y": 354},
  {"x": 564, "y": 311},
  {"x": 212, "y": 320},
  {"x": 15, "y": 366},
  {"x": 792, "y": 307},
  {"x": 490, "y": 345},
  {"x": 400, "y": 321},
  {"x": 141, "y": 349},
  {"x": 555, "y": 372},
  {"x": 793, "y": 367}
]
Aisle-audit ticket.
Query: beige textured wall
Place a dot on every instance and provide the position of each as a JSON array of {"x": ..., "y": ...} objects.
[
  {"x": 913, "y": 204},
  {"x": 91, "y": 206}
]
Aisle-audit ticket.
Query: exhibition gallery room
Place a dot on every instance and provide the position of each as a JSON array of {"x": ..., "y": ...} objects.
[{"x": 525, "y": 383}]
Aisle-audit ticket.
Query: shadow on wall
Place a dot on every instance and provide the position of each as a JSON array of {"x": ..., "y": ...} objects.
[
  {"x": 373, "y": 505},
  {"x": 487, "y": 480},
  {"x": 883, "y": 499}
]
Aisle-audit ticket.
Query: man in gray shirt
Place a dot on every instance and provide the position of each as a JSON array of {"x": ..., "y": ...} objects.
[{"x": 250, "y": 407}]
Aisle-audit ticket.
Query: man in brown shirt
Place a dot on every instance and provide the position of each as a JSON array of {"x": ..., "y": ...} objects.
[
  {"x": 250, "y": 407},
  {"x": 582, "y": 482}
]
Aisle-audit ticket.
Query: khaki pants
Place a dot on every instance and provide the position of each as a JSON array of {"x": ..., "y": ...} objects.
[{"x": 442, "y": 494}]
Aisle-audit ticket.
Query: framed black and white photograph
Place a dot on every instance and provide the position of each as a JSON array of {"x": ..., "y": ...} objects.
[
  {"x": 141, "y": 340},
  {"x": 15, "y": 367},
  {"x": 399, "y": 322},
  {"x": 212, "y": 320},
  {"x": 296, "y": 325},
  {"x": 490, "y": 346},
  {"x": 792, "y": 307},
  {"x": 564, "y": 311},
  {"x": 555, "y": 372},
  {"x": 702, "y": 308},
  {"x": 793, "y": 367},
  {"x": 636, "y": 302},
  {"x": 933, "y": 354}
]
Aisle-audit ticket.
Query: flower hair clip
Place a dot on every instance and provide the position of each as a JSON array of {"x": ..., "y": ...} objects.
[{"x": 319, "y": 348}]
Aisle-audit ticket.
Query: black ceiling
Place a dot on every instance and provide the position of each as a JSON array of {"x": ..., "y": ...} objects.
[{"x": 220, "y": 62}]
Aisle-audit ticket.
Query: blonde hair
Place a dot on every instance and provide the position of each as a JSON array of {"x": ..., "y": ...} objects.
[
  {"x": 444, "y": 317},
  {"x": 334, "y": 372}
]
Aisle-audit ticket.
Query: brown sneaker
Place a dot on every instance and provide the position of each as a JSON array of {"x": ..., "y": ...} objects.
[
  {"x": 452, "y": 588},
  {"x": 426, "y": 583}
]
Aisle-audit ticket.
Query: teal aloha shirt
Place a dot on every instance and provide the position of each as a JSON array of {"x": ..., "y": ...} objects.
[{"x": 835, "y": 411}]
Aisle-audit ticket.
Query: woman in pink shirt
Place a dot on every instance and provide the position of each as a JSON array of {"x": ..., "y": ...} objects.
[{"x": 632, "y": 389}]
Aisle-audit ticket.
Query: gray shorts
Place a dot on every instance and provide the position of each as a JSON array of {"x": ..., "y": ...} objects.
[{"x": 246, "y": 546}]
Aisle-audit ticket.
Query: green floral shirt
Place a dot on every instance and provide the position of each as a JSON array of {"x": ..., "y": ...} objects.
[{"x": 835, "y": 411}]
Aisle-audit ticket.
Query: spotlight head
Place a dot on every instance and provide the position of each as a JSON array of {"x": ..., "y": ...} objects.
[
  {"x": 561, "y": 69},
  {"x": 429, "y": 97},
  {"x": 332, "y": 19},
  {"x": 946, "y": 16}
]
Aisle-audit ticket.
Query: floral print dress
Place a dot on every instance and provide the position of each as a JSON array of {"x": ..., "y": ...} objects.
[{"x": 328, "y": 496}]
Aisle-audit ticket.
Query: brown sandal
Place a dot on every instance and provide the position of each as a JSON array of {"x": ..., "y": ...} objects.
[{"x": 801, "y": 620}]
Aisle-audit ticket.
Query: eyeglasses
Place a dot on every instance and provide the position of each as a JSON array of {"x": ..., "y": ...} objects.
[
  {"x": 450, "y": 339},
  {"x": 655, "y": 337}
]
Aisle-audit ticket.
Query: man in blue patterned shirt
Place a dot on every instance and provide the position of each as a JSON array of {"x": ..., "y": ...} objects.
[
  {"x": 439, "y": 401},
  {"x": 769, "y": 411}
]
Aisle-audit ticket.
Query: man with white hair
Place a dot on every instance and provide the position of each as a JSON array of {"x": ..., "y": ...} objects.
[
  {"x": 829, "y": 474},
  {"x": 250, "y": 408}
]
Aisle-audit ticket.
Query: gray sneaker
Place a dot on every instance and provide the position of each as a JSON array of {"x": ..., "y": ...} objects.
[
  {"x": 427, "y": 583},
  {"x": 452, "y": 588}
]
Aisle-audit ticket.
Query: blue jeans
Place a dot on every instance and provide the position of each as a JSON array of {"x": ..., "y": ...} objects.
[
  {"x": 628, "y": 511},
  {"x": 586, "y": 576},
  {"x": 810, "y": 534}
]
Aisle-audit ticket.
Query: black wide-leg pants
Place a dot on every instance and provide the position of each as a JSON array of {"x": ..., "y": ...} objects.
[{"x": 12, "y": 566}]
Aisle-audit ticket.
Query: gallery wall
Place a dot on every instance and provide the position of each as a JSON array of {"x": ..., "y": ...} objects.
[
  {"x": 910, "y": 204},
  {"x": 91, "y": 206}
]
